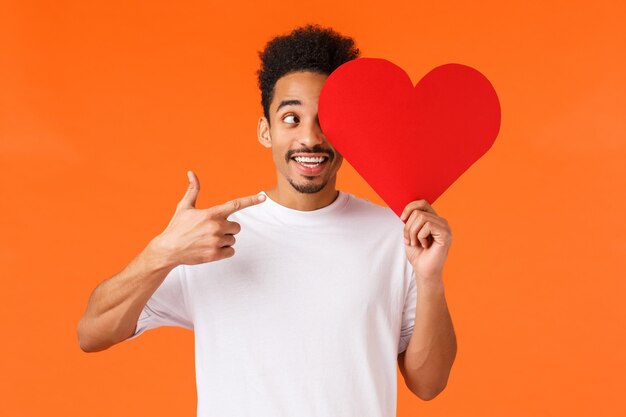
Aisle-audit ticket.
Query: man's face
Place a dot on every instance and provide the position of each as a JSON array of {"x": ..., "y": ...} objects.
[{"x": 301, "y": 153}]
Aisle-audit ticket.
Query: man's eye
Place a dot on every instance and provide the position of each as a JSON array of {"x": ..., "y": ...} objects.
[{"x": 291, "y": 118}]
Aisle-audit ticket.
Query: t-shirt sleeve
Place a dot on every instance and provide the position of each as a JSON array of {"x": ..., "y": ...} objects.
[
  {"x": 408, "y": 313},
  {"x": 167, "y": 306}
]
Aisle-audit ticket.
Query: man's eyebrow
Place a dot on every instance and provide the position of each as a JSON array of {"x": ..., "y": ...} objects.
[{"x": 288, "y": 103}]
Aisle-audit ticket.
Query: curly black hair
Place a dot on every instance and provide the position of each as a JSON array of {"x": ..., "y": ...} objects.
[{"x": 306, "y": 48}]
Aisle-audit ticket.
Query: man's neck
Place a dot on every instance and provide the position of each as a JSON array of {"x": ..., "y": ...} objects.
[{"x": 284, "y": 194}]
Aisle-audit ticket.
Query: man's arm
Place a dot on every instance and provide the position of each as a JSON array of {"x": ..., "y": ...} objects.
[
  {"x": 426, "y": 363},
  {"x": 427, "y": 360},
  {"x": 116, "y": 304},
  {"x": 193, "y": 236}
]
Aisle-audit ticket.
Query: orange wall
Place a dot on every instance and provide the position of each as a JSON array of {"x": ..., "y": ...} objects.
[{"x": 103, "y": 108}]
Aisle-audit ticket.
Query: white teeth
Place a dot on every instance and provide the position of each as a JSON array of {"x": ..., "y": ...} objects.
[{"x": 316, "y": 160}]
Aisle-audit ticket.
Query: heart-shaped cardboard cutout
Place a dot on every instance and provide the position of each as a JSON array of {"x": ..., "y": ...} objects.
[{"x": 408, "y": 143}]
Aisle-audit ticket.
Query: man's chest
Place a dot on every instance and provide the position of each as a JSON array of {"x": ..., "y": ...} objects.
[{"x": 298, "y": 284}]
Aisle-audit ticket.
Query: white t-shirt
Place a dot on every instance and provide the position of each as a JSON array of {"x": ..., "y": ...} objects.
[{"x": 306, "y": 319}]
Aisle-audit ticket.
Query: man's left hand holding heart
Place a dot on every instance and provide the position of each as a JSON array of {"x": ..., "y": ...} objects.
[{"x": 427, "y": 238}]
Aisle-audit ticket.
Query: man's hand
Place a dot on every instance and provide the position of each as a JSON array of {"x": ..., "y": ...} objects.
[
  {"x": 196, "y": 236},
  {"x": 427, "y": 238}
]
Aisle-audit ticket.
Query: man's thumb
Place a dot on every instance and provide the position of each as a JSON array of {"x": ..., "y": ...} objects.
[{"x": 190, "y": 197}]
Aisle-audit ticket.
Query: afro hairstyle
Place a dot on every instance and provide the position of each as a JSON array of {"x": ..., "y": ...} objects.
[{"x": 307, "y": 48}]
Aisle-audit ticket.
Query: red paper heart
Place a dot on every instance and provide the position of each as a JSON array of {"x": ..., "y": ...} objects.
[{"x": 408, "y": 143}]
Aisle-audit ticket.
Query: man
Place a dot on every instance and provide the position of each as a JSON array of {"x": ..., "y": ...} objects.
[{"x": 325, "y": 290}]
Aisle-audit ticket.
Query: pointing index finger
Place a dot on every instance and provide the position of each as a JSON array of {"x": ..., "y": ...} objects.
[{"x": 237, "y": 204}]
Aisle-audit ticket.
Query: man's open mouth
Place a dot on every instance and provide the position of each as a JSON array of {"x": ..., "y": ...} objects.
[
  {"x": 310, "y": 162},
  {"x": 310, "y": 165}
]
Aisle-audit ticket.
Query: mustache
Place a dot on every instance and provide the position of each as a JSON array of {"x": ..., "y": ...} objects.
[{"x": 315, "y": 149}]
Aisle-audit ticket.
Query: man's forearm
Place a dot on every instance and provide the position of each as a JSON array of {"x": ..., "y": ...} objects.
[
  {"x": 116, "y": 303},
  {"x": 432, "y": 348}
]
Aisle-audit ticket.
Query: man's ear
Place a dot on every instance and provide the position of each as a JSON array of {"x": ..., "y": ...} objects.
[{"x": 263, "y": 132}]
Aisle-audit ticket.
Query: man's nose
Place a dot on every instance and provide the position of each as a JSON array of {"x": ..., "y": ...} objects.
[{"x": 313, "y": 134}]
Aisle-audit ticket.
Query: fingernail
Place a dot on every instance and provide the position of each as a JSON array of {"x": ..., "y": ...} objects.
[{"x": 261, "y": 197}]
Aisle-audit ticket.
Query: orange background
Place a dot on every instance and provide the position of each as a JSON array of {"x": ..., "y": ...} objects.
[{"x": 103, "y": 107}]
